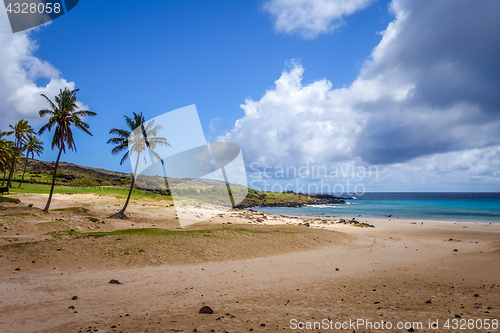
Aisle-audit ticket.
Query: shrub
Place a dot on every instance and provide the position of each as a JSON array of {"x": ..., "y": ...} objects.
[
  {"x": 7, "y": 199},
  {"x": 152, "y": 183},
  {"x": 84, "y": 182},
  {"x": 125, "y": 181},
  {"x": 59, "y": 174},
  {"x": 106, "y": 183}
]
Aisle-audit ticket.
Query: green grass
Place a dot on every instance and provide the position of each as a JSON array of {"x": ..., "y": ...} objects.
[
  {"x": 52, "y": 223},
  {"x": 276, "y": 197},
  {"x": 79, "y": 210},
  {"x": 167, "y": 232},
  {"x": 92, "y": 219},
  {"x": 128, "y": 232},
  {"x": 18, "y": 214},
  {"x": 7, "y": 199},
  {"x": 115, "y": 191},
  {"x": 60, "y": 234}
]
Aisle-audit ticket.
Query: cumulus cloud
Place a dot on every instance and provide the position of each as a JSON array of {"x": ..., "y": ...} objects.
[
  {"x": 19, "y": 72},
  {"x": 295, "y": 120},
  {"x": 310, "y": 18},
  {"x": 427, "y": 99}
]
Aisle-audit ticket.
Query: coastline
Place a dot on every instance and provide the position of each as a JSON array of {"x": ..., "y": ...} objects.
[{"x": 251, "y": 280}]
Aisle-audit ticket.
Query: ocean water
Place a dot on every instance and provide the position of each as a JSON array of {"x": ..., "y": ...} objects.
[{"x": 448, "y": 206}]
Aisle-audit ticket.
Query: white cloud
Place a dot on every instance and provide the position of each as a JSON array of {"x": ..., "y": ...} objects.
[
  {"x": 19, "y": 71},
  {"x": 214, "y": 124},
  {"x": 424, "y": 108},
  {"x": 295, "y": 120},
  {"x": 310, "y": 18}
]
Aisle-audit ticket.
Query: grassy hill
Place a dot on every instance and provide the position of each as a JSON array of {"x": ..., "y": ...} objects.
[{"x": 72, "y": 178}]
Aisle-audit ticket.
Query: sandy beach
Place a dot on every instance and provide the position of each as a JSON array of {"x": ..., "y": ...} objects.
[{"x": 257, "y": 272}]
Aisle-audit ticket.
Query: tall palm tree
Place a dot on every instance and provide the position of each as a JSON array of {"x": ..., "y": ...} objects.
[
  {"x": 139, "y": 142},
  {"x": 21, "y": 130},
  {"x": 63, "y": 115},
  {"x": 32, "y": 146}
]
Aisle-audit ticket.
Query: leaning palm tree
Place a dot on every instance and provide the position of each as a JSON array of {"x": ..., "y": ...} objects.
[
  {"x": 21, "y": 130},
  {"x": 137, "y": 143},
  {"x": 63, "y": 115},
  {"x": 32, "y": 146}
]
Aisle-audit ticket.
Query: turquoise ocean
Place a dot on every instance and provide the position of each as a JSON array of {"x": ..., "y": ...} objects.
[{"x": 444, "y": 206}]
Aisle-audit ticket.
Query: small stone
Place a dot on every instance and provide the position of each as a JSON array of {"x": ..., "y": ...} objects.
[
  {"x": 455, "y": 250},
  {"x": 476, "y": 295},
  {"x": 71, "y": 307},
  {"x": 428, "y": 301},
  {"x": 74, "y": 298},
  {"x": 114, "y": 326},
  {"x": 262, "y": 325},
  {"x": 206, "y": 310},
  {"x": 115, "y": 281}
]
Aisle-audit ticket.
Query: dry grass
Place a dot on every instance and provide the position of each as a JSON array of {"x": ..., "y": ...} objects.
[{"x": 143, "y": 247}]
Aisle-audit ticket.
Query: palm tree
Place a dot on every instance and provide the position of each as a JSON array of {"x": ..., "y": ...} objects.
[
  {"x": 21, "y": 130},
  {"x": 139, "y": 142},
  {"x": 63, "y": 115},
  {"x": 32, "y": 146},
  {"x": 8, "y": 153},
  {"x": 4, "y": 152}
]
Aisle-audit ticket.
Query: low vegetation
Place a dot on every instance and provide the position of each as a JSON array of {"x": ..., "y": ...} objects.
[
  {"x": 7, "y": 199},
  {"x": 151, "y": 246}
]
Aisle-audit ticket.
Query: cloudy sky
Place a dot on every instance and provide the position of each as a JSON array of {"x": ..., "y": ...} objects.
[{"x": 408, "y": 89}]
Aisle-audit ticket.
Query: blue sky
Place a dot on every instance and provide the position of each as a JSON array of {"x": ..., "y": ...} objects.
[{"x": 127, "y": 57}]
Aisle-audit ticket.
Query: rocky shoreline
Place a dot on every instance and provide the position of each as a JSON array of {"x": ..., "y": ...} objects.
[{"x": 314, "y": 199}]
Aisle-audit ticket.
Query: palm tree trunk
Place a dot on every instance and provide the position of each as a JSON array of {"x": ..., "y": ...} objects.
[
  {"x": 46, "y": 209},
  {"x": 3, "y": 181},
  {"x": 25, "y": 166},
  {"x": 121, "y": 213},
  {"x": 11, "y": 173}
]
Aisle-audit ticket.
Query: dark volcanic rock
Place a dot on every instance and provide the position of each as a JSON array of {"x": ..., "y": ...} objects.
[
  {"x": 316, "y": 199},
  {"x": 207, "y": 310},
  {"x": 115, "y": 281}
]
